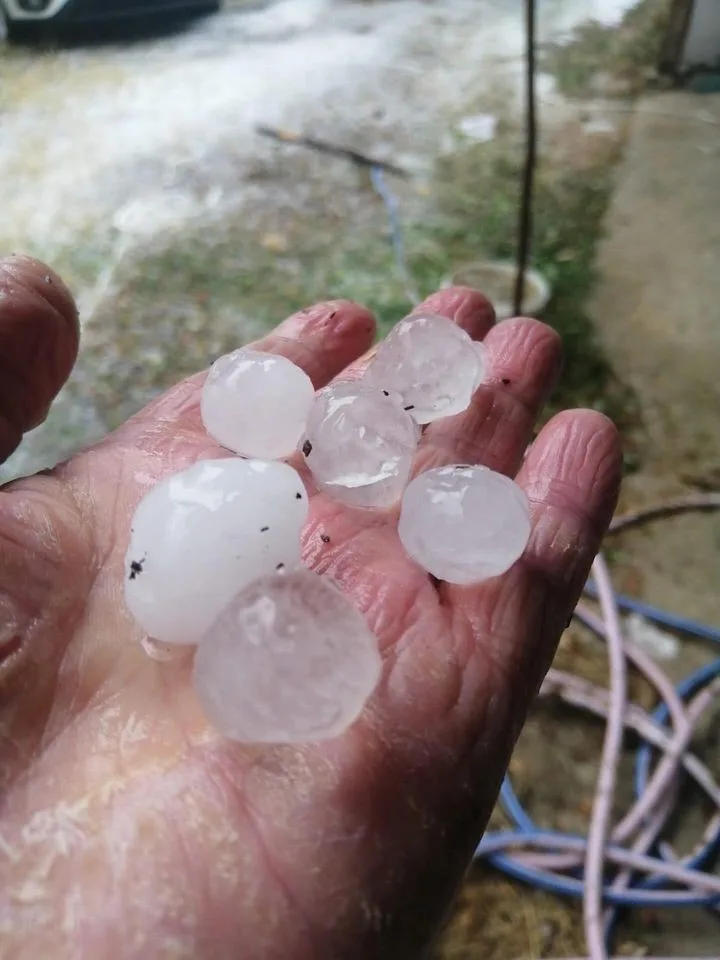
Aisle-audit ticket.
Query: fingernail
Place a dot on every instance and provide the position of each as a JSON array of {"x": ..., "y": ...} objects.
[
  {"x": 333, "y": 316},
  {"x": 468, "y": 308},
  {"x": 303, "y": 321}
]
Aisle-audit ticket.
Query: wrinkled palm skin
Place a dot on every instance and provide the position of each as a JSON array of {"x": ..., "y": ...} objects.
[{"x": 130, "y": 829}]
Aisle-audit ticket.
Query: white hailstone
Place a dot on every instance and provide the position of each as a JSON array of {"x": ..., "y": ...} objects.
[
  {"x": 203, "y": 534},
  {"x": 481, "y": 351},
  {"x": 431, "y": 363},
  {"x": 359, "y": 444},
  {"x": 464, "y": 524},
  {"x": 256, "y": 404},
  {"x": 289, "y": 660}
]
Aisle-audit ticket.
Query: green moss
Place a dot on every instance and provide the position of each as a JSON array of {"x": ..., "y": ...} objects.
[{"x": 624, "y": 54}]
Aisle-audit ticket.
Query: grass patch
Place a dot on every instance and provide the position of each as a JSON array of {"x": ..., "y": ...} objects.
[
  {"x": 476, "y": 216},
  {"x": 215, "y": 289},
  {"x": 178, "y": 305},
  {"x": 624, "y": 53}
]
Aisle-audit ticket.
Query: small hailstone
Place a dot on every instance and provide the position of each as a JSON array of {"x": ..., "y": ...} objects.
[
  {"x": 256, "y": 404},
  {"x": 359, "y": 444},
  {"x": 431, "y": 363},
  {"x": 464, "y": 524},
  {"x": 200, "y": 536},
  {"x": 289, "y": 660}
]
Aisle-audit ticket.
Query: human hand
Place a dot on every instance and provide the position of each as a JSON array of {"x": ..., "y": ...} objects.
[{"x": 128, "y": 828}]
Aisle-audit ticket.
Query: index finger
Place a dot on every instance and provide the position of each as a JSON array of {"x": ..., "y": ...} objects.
[
  {"x": 465, "y": 306},
  {"x": 322, "y": 340}
]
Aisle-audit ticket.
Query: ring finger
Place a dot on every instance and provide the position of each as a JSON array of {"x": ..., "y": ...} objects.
[{"x": 524, "y": 358}]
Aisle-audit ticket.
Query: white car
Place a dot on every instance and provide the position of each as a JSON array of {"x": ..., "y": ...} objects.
[{"x": 30, "y": 19}]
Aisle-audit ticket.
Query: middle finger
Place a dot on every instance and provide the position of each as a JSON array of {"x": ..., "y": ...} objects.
[{"x": 524, "y": 357}]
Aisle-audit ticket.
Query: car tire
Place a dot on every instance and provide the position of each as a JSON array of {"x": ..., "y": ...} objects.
[{"x": 21, "y": 33}]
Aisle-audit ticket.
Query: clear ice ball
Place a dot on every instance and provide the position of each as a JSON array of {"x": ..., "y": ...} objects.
[
  {"x": 256, "y": 404},
  {"x": 359, "y": 444},
  {"x": 431, "y": 363},
  {"x": 200, "y": 536},
  {"x": 289, "y": 660},
  {"x": 464, "y": 524}
]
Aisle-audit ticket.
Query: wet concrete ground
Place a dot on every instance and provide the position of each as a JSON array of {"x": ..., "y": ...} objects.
[{"x": 659, "y": 260}]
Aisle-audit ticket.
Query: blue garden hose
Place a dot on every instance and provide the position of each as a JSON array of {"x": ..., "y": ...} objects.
[{"x": 647, "y": 892}]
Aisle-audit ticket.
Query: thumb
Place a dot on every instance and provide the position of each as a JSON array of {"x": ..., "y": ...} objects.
[{"x": 39, "y": 339}]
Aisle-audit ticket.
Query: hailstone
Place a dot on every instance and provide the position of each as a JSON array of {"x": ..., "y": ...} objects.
[
  {"x": 359, "y": 444},
  {"x": 289, "y": 660},
  {"x": 464, "y": 524},
  {"x": 203, "y": 534},
  {"x": 431, "y": 363},
  {"x": 256, "y": 404}
]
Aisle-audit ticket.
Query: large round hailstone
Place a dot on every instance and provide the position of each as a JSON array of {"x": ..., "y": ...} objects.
[
  {"x": 464, "y": 524},
  {"x": 431, "y": 363},
  {"x": 200, "y": 536},
  {"x": 289, "y": 660},
  {"x": 256, "y": 404},
  {"x": 359, "y": 444}
]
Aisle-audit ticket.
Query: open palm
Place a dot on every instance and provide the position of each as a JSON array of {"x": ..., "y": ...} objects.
[{"x": 128, "y": 828}]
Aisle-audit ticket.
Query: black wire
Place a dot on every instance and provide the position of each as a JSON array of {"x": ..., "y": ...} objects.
[
  {"x": 526, "y": 205},
  {"x": 322, "y": 146}
]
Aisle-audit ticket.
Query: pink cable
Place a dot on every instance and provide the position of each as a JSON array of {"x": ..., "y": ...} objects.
[
  {"x": 660, "y": 782},
  {"x": 584, "y": 694},
  {"x": 588, "y": 696},
  {"x": 644, "y": 663},
  {"x": 662, "y": 775},
  {"x": 688, "y": 876},
  {"x": 659, "y": 790},
  {"x": 651, "y": 811},
  {"x": 709, "y": 501},
  {"x": 605, "y": 790}
]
